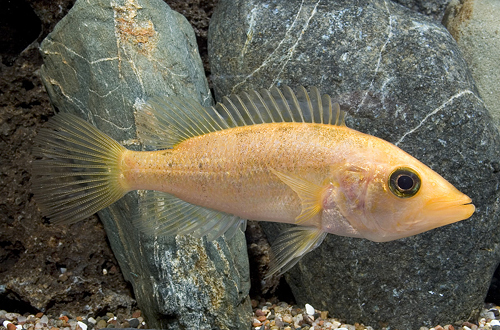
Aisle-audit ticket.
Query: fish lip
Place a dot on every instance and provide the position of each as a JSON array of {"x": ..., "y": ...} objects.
[
  {"x": 445, "y": 203},
  {"x": 451, "y": 209}
]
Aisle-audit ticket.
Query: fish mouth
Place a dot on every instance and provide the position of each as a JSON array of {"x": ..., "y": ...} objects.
[{"x": 448, "y": 210}]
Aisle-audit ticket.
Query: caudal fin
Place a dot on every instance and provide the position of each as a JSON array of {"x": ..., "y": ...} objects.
[{"x": 76, "y": 172}]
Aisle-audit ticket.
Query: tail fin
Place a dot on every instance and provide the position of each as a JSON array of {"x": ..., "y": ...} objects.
[{"x": 77, "y": 171}]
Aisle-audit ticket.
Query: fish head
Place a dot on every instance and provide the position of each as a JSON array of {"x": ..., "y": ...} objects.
[{"x": 396, "y": 199}]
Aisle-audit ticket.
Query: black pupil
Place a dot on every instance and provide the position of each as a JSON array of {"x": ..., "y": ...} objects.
[{"x": 405, "y": 182}]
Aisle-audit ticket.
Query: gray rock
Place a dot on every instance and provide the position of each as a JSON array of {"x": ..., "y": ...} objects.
[
  {"x": 401, "y": 77},
  {"x": 432, "y": 8},
  {"x": 100, "y": 60},
  {"x": 475, "y": 26}
]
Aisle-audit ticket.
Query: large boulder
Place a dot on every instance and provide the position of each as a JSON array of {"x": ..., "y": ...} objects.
[
  {"x": 401, "y": 77},
  {"x": 100, "y": 60}
]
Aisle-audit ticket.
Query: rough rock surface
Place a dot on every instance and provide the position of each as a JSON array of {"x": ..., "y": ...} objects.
[
  {"x": 432, "y": 8},
  {"x": 99, "y": 60},
  {"x": 401, "y": 77},
  {"x": 475, "y": 26}
]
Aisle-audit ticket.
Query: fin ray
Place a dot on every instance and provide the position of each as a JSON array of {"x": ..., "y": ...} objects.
[
  {"x": 292, "y": 245},
  {"x": 272, "y": 105},
  {"x": 165, "y": 122},
  {"x": 77, "y": 172},
  {"x": 305, "y": 105},
  {"x": 309, "y": 193}
]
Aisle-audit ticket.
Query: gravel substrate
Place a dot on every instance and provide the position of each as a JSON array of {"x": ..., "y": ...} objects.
[
  {"x": 281, "y": 316},
  {"x": 266, "y": 316},
  {"x": 13, "y": 321}
]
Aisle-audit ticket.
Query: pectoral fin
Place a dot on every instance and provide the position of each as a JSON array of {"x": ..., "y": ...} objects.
[
  {"x": 292, "y": 245},
  {"x": 309, "y": 193}
]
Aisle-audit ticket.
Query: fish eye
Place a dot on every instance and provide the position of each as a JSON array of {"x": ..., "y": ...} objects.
[{"x": 404, "y": 182}]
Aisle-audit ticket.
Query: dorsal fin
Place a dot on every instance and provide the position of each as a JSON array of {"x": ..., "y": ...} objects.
[
  {"x": 164, "y": 122},
  {"x": 280, "y": 105}
]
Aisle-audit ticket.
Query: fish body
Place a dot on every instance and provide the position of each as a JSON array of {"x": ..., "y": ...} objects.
[
  {"x": 304, "y": 168},
  {"x": 230, "y": 170}
]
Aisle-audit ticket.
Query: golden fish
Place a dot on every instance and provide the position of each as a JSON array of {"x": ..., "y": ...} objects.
[{"x": 268, "y": 156}]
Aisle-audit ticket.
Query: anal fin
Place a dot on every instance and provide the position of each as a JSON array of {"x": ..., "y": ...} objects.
[
  {"x": 309, "y": 193},
  {"x": 164, "y": 214},
  {"x": 292, "y": 245}
]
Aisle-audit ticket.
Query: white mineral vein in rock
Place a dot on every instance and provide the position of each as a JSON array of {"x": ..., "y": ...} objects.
[
  {"x": 250, "y": 31},
  {"x": 433, "y": 112},
  {"x": 112, "y": 123},
  {"x": 291, "y": 51},
  {"x": 379, "y": 61},
  {"x": 278, "y": 52}
]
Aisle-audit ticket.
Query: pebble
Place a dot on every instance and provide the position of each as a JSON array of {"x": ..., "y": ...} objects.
[
  {"x": 259, "y": 312},
  {"x": 490, "y": 315},
  {"x": 44, "y": 320},
  {"x": 256, "y": 323},
  {"x": 82, "y": 325},
  {"x": 279, "y": 322},
  {"x": 101, "y": 324},
  {"x": 287, "y": 318},
  {"x": 309, "y": 309},
  {"x": 297, "y": 320},
  {"x": 470, "y": 325},
  {"x": 134, "y": 323}
]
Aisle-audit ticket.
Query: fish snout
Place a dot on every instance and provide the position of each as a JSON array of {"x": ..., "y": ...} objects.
[{"x": 446, "y": 210}]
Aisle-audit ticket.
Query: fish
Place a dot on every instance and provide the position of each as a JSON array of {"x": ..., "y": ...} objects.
[{"x": 265, "y": 155}]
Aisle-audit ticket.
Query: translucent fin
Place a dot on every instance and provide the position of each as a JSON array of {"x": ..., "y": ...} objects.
[
  {"x": 164, "y": 122},
  {"x": 292, "y": 245},
  {"x": 309, "y": 193},
  {"x": 164, "y": 214},
  {"x": 77, "y": 173},
  {"x": 280, "y": 105}
]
